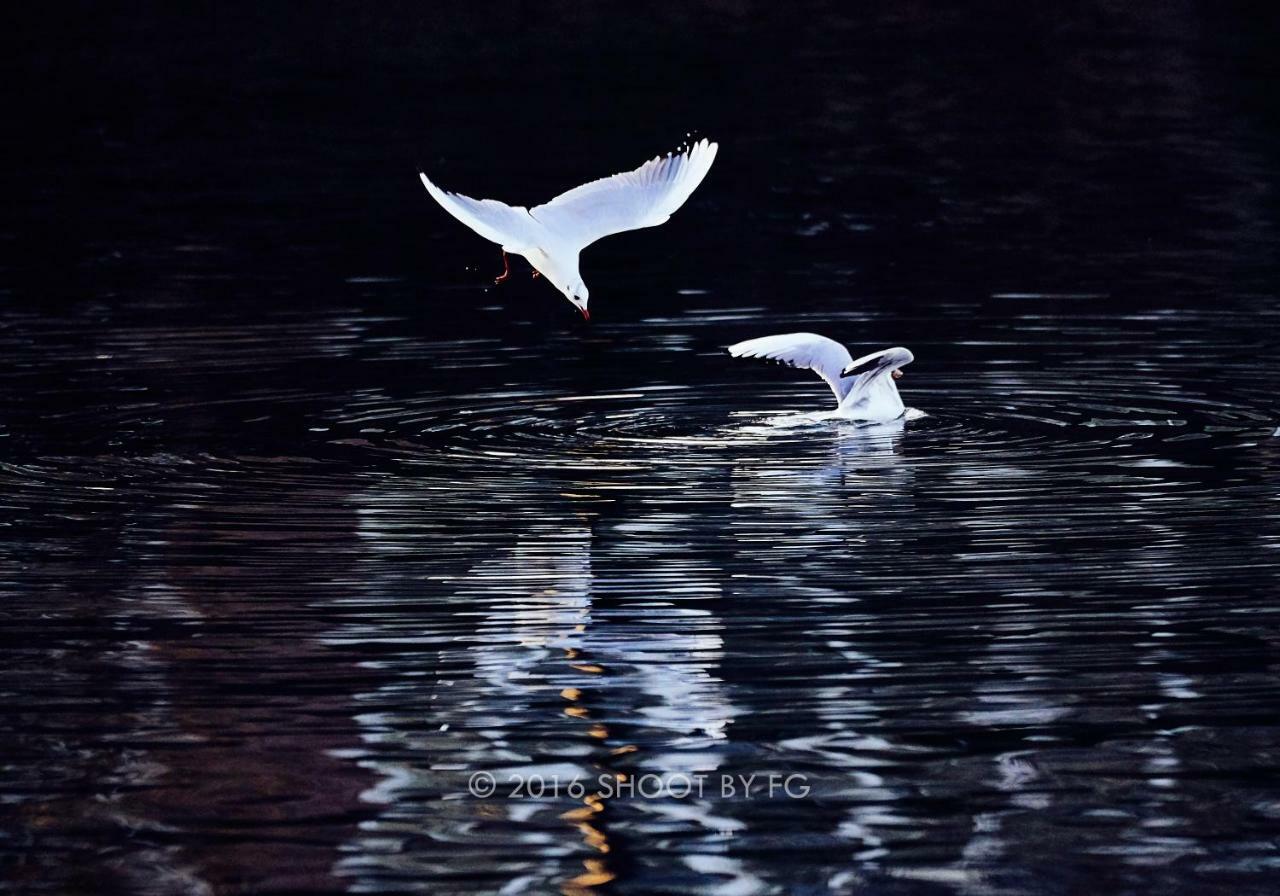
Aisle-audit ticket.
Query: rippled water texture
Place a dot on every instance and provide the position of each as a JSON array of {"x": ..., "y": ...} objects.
[{"x": 304, "y": 525}]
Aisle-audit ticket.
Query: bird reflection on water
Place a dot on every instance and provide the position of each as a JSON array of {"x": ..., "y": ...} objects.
[{"x": 593, "y": 644}]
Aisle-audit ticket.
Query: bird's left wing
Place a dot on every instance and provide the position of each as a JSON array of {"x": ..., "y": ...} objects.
[
  {"x": 645, "y": 197},
  {"x": 508, "y": 226},
  {"x": 823, "y": 356}
]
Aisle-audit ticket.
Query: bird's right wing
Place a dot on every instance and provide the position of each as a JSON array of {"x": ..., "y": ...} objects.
[
  {"x": 508, "y": 226},
  {"x": 645, "y": 197},
  {"x": 823, "y": 356}
]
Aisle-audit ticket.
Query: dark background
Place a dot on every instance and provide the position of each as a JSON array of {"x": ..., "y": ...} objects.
[
  {"x": 1056, "y": 134},
  {"x": 213, "y": 161},
  {"x": 302, "y": 521}
]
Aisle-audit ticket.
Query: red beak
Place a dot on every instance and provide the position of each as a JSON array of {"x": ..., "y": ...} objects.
[{"x": 586, "y": 315}]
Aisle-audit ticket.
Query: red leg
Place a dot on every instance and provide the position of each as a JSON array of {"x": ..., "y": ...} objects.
[{"x": 506, "y": 268}]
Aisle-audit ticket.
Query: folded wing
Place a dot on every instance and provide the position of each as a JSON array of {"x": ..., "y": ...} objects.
[
  {"x": 508, "y": 226},
  {"x": 823, "y": 356},
  {"x": 645, "y": 197}
]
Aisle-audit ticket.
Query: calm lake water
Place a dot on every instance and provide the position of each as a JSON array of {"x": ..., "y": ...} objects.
[{"x": 307, "y": 528}]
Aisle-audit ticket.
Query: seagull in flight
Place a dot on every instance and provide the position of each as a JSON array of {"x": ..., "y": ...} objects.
[
  {"x": 552, "y": 235},
  {"x": 864, "y": 387}
]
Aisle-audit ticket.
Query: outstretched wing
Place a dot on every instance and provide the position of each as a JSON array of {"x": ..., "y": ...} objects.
[
  {"x": 645, "y": 197},
  {"x": 508, "y": 226},
  {"x": 823, "y": 356}
]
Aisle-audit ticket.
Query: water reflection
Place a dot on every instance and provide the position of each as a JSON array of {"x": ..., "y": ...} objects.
[{"x": 584, "y": 651}]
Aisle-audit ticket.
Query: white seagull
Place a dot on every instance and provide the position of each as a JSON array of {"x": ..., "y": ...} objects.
[
  {"x": 864, "y": 387},
  {"x": 551, "y": 235}
]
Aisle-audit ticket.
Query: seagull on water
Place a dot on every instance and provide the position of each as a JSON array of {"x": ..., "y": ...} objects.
[
  {"x": 551, "y": 235},
  {"x": 864, "y": 387}
]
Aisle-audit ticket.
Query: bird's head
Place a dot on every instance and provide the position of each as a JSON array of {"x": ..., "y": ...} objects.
[
  {"x": 890, "y": 361},
  {"x": 576, "y": 293}
]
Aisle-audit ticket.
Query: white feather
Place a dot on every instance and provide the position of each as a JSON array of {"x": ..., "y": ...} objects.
[
  {"x": 645, "y": 197},
  {"x": 809, "y": 351},
  {"x": 508, "y": 226},
  {"x": 864, "y": 388},
  {"x": 552, "y": 235}
]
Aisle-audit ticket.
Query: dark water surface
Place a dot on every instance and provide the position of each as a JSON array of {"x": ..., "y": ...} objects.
[{"x": 304, "y": 525}]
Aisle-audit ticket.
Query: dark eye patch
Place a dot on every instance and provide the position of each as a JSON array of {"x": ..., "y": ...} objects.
[{"x": 864, "y": 367}]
